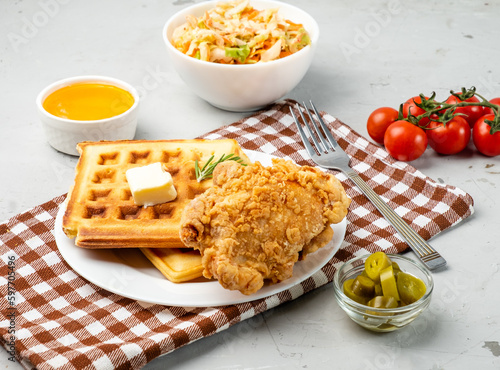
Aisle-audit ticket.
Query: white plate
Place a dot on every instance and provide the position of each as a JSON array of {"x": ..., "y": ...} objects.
[{"x": 129, "y": 273}]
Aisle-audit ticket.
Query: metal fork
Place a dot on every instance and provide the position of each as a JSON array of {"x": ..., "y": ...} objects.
[{"x": 330, "y": 155}]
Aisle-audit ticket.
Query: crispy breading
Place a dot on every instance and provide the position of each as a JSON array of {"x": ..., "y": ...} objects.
[{"x": 255, "y": 222}]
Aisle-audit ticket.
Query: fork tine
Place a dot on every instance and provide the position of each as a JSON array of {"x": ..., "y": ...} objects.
[
  {"x": 302, "y": 134},
  {"x": 319, "y": 148},
  {"x": 318, "y": 131},
  {"x": 331, "y": 139}
]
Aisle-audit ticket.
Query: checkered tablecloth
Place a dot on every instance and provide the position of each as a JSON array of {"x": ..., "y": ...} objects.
[{"x": 54, "y": 319}]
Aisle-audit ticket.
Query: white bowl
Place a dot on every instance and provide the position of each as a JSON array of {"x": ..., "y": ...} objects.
[
  {"x": 63, "y": 134},
  {"x": 243, "y": 88}
]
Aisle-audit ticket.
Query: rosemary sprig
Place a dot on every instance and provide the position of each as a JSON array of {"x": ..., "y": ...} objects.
[{"x": 207, "y": 170}]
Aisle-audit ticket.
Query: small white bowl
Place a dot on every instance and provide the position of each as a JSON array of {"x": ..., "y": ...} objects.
[
  {"x": 242, "y": 88},
  {"x": 63, "y": 134}
]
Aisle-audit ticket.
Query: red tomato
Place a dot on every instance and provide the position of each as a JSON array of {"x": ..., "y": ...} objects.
[
  {"x": 378, "y": 122},
  {"x": 405, "y": 141},
  {"x": 495, "y": 101},
  {"x": 451, "y": 138},
  {"x": 409, "y": 106},
  {"x": 471, "y": 113},
  {"x": 485, "y": 142}
]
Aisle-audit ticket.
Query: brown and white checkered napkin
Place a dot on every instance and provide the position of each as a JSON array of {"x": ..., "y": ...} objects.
[{"x": 58, "y": 320}]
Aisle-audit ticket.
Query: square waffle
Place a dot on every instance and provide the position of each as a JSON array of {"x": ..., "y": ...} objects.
[
  {"x": 176, "y": 264},
  {"x": 101, "y": 212}
]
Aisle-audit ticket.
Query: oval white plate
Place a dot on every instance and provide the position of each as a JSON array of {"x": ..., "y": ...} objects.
[{"x": 129, "y": 273}]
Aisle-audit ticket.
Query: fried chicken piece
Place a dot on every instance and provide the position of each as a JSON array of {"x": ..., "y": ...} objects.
[{"x": 256, "y": 221}]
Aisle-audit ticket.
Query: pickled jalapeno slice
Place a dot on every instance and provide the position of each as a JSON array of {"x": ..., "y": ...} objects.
[
  {"x": 396, "y": 268},
  {"x": 411, "y": 288},
  {"x": 347, "y": 287},
  {"x": 388, "y": 282},
  {"x": 363, "y": 286},
  {"x": 383, "y": 302},
  {"x": 375, "y": 263}
]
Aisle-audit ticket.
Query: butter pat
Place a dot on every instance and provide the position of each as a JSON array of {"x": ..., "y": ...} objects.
[{"x": 150, "y": 185}]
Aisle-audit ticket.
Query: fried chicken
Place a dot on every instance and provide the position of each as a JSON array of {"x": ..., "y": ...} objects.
[{"x": 256, "y": 222}]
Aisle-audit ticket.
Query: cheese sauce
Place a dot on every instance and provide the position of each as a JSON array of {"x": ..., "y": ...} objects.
[{"x": 88, "y": 101}]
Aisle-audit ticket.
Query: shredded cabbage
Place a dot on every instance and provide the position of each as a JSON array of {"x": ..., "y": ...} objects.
[{"x": 236, "y": 33}]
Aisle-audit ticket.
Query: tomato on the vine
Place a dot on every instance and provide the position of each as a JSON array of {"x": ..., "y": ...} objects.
[
  {"x": 378, "y": 122},
  {"x": 495, "y": 101},
  {"x": 485, "y": 142},
  {"x": 471, "y": 113},
  {"x": 410, "y": 107},
  {"x": 449, "y": 138},
  {"x": 405, "y": 141}
]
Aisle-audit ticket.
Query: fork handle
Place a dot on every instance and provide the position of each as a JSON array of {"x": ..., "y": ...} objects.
[{"x": 427, "y": 254}]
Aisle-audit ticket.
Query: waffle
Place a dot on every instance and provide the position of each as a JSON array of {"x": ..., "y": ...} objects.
[
  {"x": 176, "y": 264},
  {"x": 101, "y": 212}
]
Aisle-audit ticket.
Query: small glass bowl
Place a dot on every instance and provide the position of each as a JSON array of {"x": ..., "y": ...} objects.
[{"x": 382, "y": 319}]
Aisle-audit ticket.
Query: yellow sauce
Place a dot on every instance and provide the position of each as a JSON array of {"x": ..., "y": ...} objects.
[{"x": 88, "y": 101}]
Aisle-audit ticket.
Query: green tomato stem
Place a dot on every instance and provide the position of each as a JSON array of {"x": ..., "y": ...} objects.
[{"x": 444, "y": 112}]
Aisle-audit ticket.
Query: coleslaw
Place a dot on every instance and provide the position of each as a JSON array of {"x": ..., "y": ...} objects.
[{"x": 236, "y": 33}]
